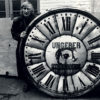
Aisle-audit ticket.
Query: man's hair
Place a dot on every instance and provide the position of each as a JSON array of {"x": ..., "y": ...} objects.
[{"x": 24, "y": 4}]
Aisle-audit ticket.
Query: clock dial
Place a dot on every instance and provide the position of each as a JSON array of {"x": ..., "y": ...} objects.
[{"x": 61, "y": 53}]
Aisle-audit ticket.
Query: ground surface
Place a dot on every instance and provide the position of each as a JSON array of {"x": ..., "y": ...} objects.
[{"x": 12, "y": 89}]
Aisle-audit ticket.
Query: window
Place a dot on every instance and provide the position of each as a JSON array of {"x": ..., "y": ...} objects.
[
  {"x": 2, "y": 8},
  {"x": 11, "y": 8},
  {"x": 16, "y": 7}
]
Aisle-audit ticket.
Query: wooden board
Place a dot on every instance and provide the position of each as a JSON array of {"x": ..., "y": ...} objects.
[{"x": 7, "y": 49}]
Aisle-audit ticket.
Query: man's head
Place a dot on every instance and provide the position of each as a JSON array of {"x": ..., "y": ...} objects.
[{"x": 26, "y": 9}]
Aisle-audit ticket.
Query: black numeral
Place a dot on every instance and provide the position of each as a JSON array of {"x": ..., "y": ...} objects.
[
  {"x": 73, "y": 82},
  {"x": 51, "y": 84},
  {"x": 65, "y": 85},
  {"x": 35, "y": 56},
  {"x": 82, "y": 27},
  {"x": 38, "y": 69},
  {"x": 94, "y": 40},
  {"x": 68, "y": 23},
  {"x": 50, "y": 81},
  {"x": 56, "y": 24},
  {"x": 49, "y": 27},
  {"x": 66, "y": 26},
  {"x": 95, "y": 56},
  {"x": 92, "y": 69},
  {"x": 37, "y": 39},
  {"x": 81, "y": 81},
  {"x": 63, "y": 20}
]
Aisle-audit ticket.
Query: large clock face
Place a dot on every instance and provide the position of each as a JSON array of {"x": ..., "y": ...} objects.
[{"x": 62, "y": 52}]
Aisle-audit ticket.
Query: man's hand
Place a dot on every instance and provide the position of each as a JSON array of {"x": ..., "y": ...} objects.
[{"x": 23, "y": 34}]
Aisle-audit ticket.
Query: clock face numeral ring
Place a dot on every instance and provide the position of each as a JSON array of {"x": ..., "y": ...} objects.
[{"x": 61, "y": 53}]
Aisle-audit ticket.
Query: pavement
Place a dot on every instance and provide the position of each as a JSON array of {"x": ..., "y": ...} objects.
[{"x": 12, "y": 88}]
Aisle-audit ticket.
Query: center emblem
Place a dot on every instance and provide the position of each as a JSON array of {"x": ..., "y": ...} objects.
[{"x": 65, "y": 55}]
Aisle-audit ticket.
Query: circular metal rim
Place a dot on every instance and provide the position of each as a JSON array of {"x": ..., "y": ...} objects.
[{"x": 23, "y": 40}]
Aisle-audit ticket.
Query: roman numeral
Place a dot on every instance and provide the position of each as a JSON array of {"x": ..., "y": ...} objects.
[
  {"x": 92, "y": 69},
  {"x": 37, "y": 39},
  {"x": 95, "y": 56},
  {"x": 94, "y": 40},
  {"x": 56, "y": 24},
  {"x": 66, "y": 26},
  {"x": 73, "y": 82},
  {"x": 65, "y": 85},
  {"x": 35, "y": 56},
  {"x": 50, "y": 81},
  {"x": 71, "y": 86},
  {"x": 82, "y": 27},
  {"x": 83, "y": 84},
  {"x": 63, "y": 20},
  {"x": 68, "y": 23},
  {"x": 38, "y": 69},
  {"x": 50, "y": 27}
]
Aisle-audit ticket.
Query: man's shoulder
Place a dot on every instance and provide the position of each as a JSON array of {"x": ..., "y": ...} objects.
[{"x": 17, "y": 19}]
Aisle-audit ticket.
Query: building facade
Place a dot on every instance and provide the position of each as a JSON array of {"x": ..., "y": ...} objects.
[{"x": 11, "y": 8}]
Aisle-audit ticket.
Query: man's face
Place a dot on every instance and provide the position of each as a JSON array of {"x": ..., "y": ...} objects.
[{"x": 26, "y": 10}]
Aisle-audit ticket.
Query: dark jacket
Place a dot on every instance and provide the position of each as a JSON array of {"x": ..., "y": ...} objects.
[{"x": 19, "y": 25}]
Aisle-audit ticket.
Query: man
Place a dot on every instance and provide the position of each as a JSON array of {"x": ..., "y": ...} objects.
[
  {"x": 18, "y": 28},
  {"x": 20, "y": 23}
]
